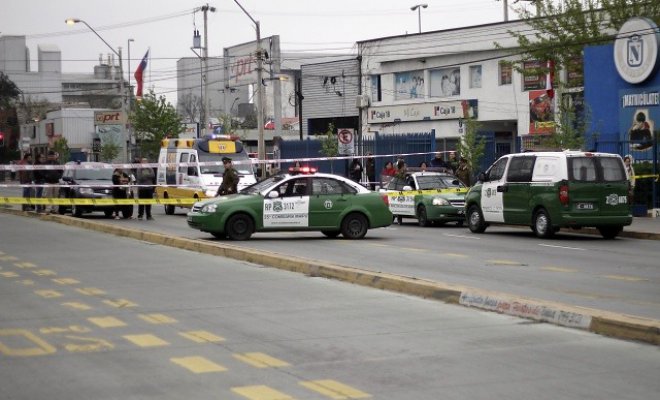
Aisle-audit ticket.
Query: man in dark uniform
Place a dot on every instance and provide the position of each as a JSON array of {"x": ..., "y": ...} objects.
[{"x": 230, "y": 178}]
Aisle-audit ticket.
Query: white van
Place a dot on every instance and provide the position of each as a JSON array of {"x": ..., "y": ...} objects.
[{"x": 201, "y": 180}]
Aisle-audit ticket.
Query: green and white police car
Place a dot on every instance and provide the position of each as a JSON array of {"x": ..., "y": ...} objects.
[
  {"x": 297, "y": 201},
  {"x": 431, "y": 197},
  {"x": 552, "y": 190}
]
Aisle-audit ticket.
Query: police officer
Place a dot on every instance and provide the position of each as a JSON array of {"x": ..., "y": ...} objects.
[{"x": 230, "y": 178}]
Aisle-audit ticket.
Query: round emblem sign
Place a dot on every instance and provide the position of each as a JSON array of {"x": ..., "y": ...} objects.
[
  {"x": 636, "y": 49},
  {"x": 345, "y": 136}
]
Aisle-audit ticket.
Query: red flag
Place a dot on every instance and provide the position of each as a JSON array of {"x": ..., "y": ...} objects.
[
  {"x": 550, "y": 76},
  {"x": 138, "y": 74}
]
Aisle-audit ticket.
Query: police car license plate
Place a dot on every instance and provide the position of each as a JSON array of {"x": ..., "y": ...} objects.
[{"x": 584, "y": 206}]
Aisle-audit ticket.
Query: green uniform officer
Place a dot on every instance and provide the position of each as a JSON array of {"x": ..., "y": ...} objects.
[{"x": 230, "y": 179}]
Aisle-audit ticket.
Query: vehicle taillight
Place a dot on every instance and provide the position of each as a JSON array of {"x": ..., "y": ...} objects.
[
  {"x": 386, "y": 199},
  {"x": 563, "y": 195}
]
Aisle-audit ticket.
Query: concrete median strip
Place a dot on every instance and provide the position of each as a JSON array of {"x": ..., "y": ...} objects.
[{"x": 598, "y": 321}]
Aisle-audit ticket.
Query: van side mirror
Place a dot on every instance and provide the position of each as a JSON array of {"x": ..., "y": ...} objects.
[{"x": 482, "y": 177}]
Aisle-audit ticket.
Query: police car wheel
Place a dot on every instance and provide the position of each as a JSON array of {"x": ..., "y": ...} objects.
[
  {"x": 399, "y": 219},
  {"x": 61, "y": 209},
  {"x": 542, "y": 225},
  {"x": 354, "y": 226},
  {"x": 169, "y": 209},
  {"x": 219, "y": 235},
  {"x": 422, "y": 218},
  {"x": 476, "y": 220},
  {"x": 331, "y": 234},
  {"x": 108, "y": 213},
  {"x": 77, "y": 211},
  {"x": 239, "y": 227}
]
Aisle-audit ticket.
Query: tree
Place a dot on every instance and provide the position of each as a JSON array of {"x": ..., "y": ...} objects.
[
  {"x": 472, "y": 145},
  {"x": 329, "y": 145},
  {"x": 190, "y": 107},
  {"x": 110, "y": 147},
  {"x": 9, "y": 92},
  {"x": 61, "y": 146},
  {"x": 153, "y": 120}
]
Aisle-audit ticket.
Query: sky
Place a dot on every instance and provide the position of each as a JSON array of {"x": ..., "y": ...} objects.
[{"x": 166, "y": 27}]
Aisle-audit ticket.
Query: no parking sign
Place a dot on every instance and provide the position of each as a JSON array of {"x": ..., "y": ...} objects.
[{"x": 346, "y": 141}]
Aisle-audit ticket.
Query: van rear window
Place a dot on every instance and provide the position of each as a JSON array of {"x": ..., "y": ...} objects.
[{"x": 596, "y": 169}]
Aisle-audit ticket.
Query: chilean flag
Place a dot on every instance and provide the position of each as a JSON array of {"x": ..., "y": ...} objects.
[
  {"x": 549, "y": 78},
  {"x": 138, "y": 74}
]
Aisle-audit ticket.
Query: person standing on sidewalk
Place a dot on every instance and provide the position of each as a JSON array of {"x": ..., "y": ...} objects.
[
  {"x": 26, "y": 177},
  {"x": 146, "y": 178},
  {"x": 52, "y": 178}
]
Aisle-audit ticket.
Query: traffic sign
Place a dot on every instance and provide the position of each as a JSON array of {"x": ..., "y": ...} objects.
[{"x": 346, "y": 141}]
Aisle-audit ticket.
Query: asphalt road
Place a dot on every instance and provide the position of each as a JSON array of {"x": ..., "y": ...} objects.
[
  {"x": 621, "y": 275},
  {"x": 87, "y": 315}
]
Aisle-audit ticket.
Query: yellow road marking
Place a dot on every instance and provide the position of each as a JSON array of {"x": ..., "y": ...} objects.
[
  {"x": 77, "y": 306},
  {"x": 455, "y": 255},
  {"x": 27, "y": 282},
  {"x": 506, "y": 262},
  {"x": 146, "y": 340},
  {"x": 120, "y": 303},
  {"x": 334, "y": 390},
  {"x": 625, "y": 278},
  {"x": 558, "y": 269},
  {"x": 8, "y": 258},
  {"x": 89, "y": 344},
  {"x": 66, "y": 281},
  {"x": 91, "y": 291},
  {"x": 44, "y": 272},
  {"x": 9, "y": 274},
  {"x": 198, "y": 365},
  {"x": 261, "y": 392},
  {"x": 202, "y": 337},
  {"x": 158, "y": 319},
  {"x": 48, "y": 294},
  {"x": 42, "y": 348},
  {"x": 106, "y": 322},
  {"x": 260, "y": 360},
  {"x": 23, "y": 265},
  {"x": 67, "y": 329}
]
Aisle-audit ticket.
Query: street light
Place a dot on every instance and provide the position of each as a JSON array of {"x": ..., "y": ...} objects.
[
  {"x": 419, "y": 7},
  {"x": 73, "y": 21},
  {"x": 261, "y": 146}
]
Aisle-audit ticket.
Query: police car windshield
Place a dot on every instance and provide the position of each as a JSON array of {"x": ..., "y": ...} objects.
[
  {"x": 427, "y": 182},
  {"x": 262, "y": 185}
]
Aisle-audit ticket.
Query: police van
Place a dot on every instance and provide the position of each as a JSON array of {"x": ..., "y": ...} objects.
[
  {"x": 552, "y": 190},
  {"x": 200, "y": 180}
]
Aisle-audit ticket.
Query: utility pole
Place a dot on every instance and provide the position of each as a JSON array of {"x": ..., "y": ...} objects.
[
  {"x": 261, "y": 144},
  {"x": 205, "y": 54}
]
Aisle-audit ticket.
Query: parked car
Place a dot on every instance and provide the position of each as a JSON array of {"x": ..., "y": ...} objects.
[
  {"x": 431, "y": 197},
  {"x": 552, "y": 190},
  {"x": 89, "y": 180},
  {"x": 301, "y": 200}
]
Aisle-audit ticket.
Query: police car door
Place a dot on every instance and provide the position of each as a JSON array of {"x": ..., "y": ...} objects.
[
  {"x": 330, "y": 198},
  {"x": 492, "y": 203},
  {"x": 291, "y": 208}
]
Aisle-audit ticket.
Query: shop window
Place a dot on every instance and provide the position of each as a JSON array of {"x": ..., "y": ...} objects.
[
  {"x": 475, "y": 76},
  {"x": 506, "y": 73}
]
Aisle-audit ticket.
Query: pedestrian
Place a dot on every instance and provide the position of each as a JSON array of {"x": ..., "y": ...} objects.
[
  {"x": 52, "y": 179},
  {"x": 39, "y": 181},
  {"x": 355, "y": 172},
  {"x": 438, "y": 161},
  {"x": 26, "y": 177},
  {"x": 423, "y": 166},
  {"x": 230, "y": 179},
  {"x": 389, "y": 169},
  {"x": 401, "y": 169},
  {"x": 146, "y": 178},
  {"x": 371, "y": 170},
  {"x": 453, "y": 162},
  {"x": 463, "y": 172},
  {"x": 630, "y": 171},
  {"x": 119, "y": 190}
]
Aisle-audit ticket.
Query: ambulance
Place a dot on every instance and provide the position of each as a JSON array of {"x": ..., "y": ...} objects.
[{"x": 202, "y": 170}]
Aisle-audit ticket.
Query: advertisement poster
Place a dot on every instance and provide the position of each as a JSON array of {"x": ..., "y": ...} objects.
[
  {"x": 286, "y": 211},
  {"x": 533, "y": 78},
  {"x": 541, "y": 112},
  {"x": 639, "y": 116},
  {"x": 445, "y": 82},
  {"x": 409, "y": 85}
]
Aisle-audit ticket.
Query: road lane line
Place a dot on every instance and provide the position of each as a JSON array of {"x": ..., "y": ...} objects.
[
  {"x": 562, "y": 247},
  {"x": 77, "y": 306},
  {"x": 462, "y": 236},
  {"x": 558, "y": 269},
  {"x": 260, "y": 360},
  {"x": 202, "y": 337},
  {"x": 48, "y": 294},
  {"x": 120, "y": 303},
  {"x": 260, "y": 392},
  {"x": 107, "y": 322},
  {"x": 146, "y": 340},
  {"x": 625, "y": 278},
  {"x": 157, "y": 319},
  {"x": 334, "y": 390},
  {"x": 198, "y": 364}
]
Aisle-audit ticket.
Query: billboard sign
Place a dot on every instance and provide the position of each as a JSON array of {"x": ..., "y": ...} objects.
[{"x": 241, "y": 60}]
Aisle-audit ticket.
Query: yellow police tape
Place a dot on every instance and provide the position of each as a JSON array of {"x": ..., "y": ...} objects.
[
  {"x": 95, "y": 202},
  {"x": 427, "y": 191},
  {"x": 646, "y": 176}
]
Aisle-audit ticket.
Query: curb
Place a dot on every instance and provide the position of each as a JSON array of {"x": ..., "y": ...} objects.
[{"x": 606, "y": 323}]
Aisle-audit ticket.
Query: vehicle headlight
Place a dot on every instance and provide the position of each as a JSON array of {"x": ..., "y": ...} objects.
[
  {"x": 440, "y": 201},
  {"x": 209, "y": 208},
  {"x": 86, "y": 190}
]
